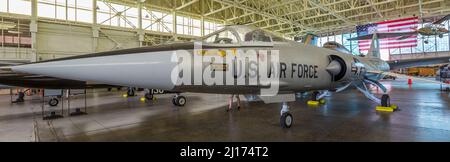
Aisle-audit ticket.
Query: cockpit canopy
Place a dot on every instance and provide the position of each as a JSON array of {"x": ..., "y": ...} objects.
[{"x": 241, "y": 34}]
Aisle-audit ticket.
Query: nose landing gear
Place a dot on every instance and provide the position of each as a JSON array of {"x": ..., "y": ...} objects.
[
  {"x": 286, "y": 119},
  {"x": 179, "y": 100}
]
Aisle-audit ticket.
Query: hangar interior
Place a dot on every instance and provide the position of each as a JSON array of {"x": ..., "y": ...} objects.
[{"x": 40, "y": 30}]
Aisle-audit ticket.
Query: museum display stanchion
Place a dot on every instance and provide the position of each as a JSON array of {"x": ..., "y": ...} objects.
[
  {"x": 52, "y": 112},
  {"x": 78, "y": 111}
]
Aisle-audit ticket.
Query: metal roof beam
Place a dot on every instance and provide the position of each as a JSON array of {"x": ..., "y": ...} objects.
[
  {"x": 332, "y": 12},
  {"x": 186, "y": 4},
  {"x": 264, "y": 14}
]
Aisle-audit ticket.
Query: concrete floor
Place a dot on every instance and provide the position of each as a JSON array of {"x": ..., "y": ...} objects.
[{"x": 347, "y": 116}]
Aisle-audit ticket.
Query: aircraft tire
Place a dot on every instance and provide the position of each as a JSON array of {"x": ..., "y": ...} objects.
[
  {"x": 385, "y": 101},
  {"x": 179, "y": 100},
  {"x": 286, "y": 120},
  {"x": 149, "y": 96},
  {"x": 53, "y": 102},
  {"x": 130, "y": 93}
]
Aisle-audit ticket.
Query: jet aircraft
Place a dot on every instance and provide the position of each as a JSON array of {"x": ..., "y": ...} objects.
[{"x": 234, "y": 60}]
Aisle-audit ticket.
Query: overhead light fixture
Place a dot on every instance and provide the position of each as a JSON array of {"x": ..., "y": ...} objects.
[
  {"x": 146, "y": 16},
  {"x": 14, "y": 32},
  {"x": 98, "y": 8}
]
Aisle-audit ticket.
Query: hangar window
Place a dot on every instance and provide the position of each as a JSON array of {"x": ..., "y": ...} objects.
[
  {"x": 157, "y": 21},
  {"x": 20, "y": 7},
  {"x": 73, "y": 10},
  {"x": 188, "y": 26},
  {"x": 210, "y": 27}
]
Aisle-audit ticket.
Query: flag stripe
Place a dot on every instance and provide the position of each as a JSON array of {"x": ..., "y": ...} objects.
[
  {"x": 393, "y": 46},
  {"x": 389, "y": 43}
]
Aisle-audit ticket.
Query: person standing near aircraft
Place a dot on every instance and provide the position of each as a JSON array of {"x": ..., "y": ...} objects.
[{"x": 230, "y": 102}]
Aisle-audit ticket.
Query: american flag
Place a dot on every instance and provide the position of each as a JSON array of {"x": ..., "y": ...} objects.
[{"x": 398, "y": 25}]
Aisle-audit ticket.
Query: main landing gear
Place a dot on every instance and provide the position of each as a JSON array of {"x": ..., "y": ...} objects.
[
  {"x": 384, "y": 102},
  {"x": 317, "y": 98},
  {"x": 131, "y": 92},
  {"x": 179, "y": 100},
  {"x": 149, "y": 96},
  {"x": 286, "y": 117}
]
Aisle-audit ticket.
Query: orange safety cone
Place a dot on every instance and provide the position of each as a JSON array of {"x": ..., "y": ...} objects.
[{"x": 409, "y": 81}]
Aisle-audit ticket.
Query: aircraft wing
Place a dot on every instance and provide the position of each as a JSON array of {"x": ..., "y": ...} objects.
[
  {"x": 384, "y": 35},
  {"x": 445, "y": 18},
  {"x": 397, "y": 64}
]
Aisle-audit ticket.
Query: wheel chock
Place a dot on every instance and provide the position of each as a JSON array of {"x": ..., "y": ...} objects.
[
  {"x": 386, "y": 109},
  {"x": 395, "y": 107},
  {"x": 310, "y": 102},
  {"x": 322, "y": 101},
  {"x": 142, "y": 99},
  {"x": 125, "y": 95}
]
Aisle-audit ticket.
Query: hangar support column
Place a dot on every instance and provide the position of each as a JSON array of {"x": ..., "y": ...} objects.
[
  {"x": 95, "y": 27},
  {"x": 174, "y": 23},
  {"x": 140, "y": 31},
  {"x": 202, "y": 18},
  {"x": 33, "y": 31}
]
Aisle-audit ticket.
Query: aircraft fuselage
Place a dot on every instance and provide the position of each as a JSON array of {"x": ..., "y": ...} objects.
[{"x": 300, "y": 68}]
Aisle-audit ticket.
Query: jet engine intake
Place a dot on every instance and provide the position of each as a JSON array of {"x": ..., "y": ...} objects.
[{"x": 337, "y": 67}]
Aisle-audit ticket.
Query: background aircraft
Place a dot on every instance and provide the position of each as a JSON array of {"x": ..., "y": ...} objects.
[{"x": 434, "y": 29}]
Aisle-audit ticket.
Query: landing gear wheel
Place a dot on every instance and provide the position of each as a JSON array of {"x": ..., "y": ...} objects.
[
  {"x": 149, "y": 96},
  {"x": 286, "y": 120},
  {"x": 53, "y": 102},
  {"x": 385, "y": 101},
  {"x": 179, "y": 100},
  {"x": 314, "y": 96},
  {"x": 130, "y": 92}
]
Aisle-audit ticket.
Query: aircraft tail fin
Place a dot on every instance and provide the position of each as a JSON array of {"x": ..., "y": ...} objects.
[
  {"x": 374, "y": 51},
  {"x": 309, "y": 38}
]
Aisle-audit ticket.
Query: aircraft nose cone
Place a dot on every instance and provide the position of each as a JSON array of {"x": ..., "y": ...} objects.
[{"x": 334, "y": 67}]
